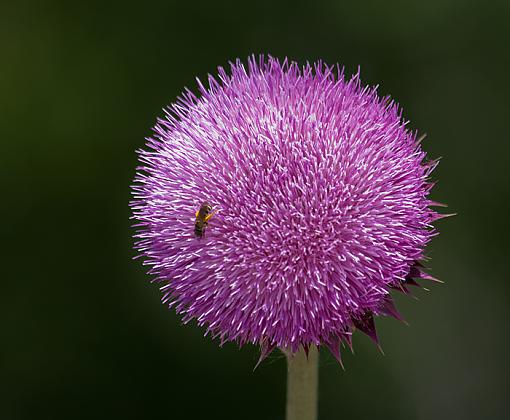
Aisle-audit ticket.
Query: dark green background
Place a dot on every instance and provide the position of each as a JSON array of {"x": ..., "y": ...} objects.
[{"x": 83, "y": 334}]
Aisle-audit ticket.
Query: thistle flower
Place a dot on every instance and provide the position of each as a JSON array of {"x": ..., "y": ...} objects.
[{"x": 318, "y": 206}]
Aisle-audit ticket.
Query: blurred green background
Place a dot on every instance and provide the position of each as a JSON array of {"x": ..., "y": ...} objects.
[{"x": 83, "y": 334}]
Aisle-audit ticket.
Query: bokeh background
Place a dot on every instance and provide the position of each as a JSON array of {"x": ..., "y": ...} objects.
[{"x": 83, "y": 334}]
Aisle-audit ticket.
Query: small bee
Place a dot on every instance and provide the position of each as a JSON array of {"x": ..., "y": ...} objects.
[{"x": 202, "y": 217}]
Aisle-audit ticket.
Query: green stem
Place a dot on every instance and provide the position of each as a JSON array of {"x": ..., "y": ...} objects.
[{"x": 302, "y": 379}]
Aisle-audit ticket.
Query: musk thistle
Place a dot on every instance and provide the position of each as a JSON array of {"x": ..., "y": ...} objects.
[{"x": 316, "y": 200}]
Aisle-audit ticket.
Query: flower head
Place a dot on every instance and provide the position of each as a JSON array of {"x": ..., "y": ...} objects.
[{"x": 316, "y": 205}]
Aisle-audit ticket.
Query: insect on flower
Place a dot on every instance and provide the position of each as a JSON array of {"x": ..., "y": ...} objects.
[{"x": 202, "y": 218}]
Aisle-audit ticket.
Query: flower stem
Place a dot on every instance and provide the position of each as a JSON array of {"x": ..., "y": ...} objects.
[{"x": 302, "y": 378}]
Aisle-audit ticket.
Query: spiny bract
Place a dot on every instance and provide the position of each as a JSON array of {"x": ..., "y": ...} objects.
[{"x": 320, "y": 200}]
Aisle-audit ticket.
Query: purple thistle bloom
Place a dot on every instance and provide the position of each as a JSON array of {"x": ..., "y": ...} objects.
[{"x": 319, "y": 206}]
